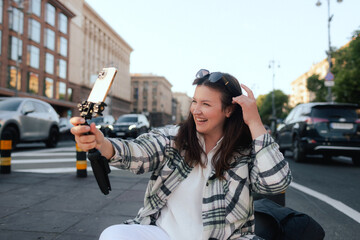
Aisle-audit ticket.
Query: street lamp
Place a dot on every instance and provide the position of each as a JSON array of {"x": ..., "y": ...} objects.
[
  {"x": 20, "y": 8},
  {"x": 329, "y": 75},
  {"x": 273, "y": 117}
]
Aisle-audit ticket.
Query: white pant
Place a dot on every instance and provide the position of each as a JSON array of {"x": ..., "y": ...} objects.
[{"x": 132, "y": 232}]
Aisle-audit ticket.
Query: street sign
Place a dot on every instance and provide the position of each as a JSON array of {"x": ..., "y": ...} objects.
[
  {"x": 329, "y": 83},
  {"x": 329, "y": 79},
  {"x": 329, "y": 76}
]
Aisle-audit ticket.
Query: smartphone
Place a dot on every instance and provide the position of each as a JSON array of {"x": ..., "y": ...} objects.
[{"x": 102, "y": 85}]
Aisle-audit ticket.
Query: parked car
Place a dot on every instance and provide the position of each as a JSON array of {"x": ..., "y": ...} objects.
[
  {"x": 330, "y": 129},
  {"x": 104, "y": 124},
  {"x": 28, "y": 120},
  {"x": 130, "y": 126},
  {"x": 64, "y": 129}
]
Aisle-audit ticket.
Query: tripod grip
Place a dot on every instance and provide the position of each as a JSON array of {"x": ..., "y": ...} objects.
[{"x": 101, "y": 169}]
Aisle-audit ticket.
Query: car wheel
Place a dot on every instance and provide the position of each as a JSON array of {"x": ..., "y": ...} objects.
[
  {"x": 11, "y": 133},
  {"x": 298, "y": 151},
  {"x": 53, "y": 138}
]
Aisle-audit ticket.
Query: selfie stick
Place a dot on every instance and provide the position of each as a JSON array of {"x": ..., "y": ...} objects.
[{"x": 99, "y": 163}]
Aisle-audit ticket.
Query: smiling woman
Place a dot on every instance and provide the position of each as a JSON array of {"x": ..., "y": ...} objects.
[{"x": 204, "y": 172}]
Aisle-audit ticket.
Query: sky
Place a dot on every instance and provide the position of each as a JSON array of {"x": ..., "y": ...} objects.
[{"x": 175, "y": 39}]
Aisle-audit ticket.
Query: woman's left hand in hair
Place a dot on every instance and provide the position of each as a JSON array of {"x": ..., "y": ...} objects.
[{"x": 250, "y": 112}]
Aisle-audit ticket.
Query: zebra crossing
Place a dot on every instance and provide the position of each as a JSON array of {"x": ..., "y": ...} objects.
[{"x": 56, "y": 160}]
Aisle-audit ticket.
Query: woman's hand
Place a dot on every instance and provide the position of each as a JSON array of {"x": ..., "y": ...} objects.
[
  {"x": 94, "y": 139},
  {"x": 250, "y": 112}
]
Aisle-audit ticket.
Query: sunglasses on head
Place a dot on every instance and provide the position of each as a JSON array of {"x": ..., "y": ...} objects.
[{"x": 215, "y": 77}]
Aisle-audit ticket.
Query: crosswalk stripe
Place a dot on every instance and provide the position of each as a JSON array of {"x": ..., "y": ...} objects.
[
  {"x": 56, "y": 170},
  {"x": 58, "y": 160}
]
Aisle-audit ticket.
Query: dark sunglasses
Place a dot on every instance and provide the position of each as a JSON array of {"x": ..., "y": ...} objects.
[{"x": 215, "y": 77}]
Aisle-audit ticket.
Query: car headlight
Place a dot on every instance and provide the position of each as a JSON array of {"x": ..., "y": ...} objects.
[
  {"x": 132, "y": 126},
  {"x": 98, "y": 126},
  {"x": 111, "y": 127}
]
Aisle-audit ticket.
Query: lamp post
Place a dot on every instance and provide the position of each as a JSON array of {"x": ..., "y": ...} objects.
[
  {"x": 273, "y": 116},
  {"x": 20, "y": 8},
  {"x": 329, "y": 77}
]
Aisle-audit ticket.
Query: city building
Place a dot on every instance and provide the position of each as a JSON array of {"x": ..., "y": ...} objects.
[
  {"x": 34, "y": 51},
  {"x": 184, "y": 105},
  {"x": 152, "y": 96},
  {"x": 299, "y": 91},
  {"x": 93, "y": 46},
  {"x": 53, "y": 50}
]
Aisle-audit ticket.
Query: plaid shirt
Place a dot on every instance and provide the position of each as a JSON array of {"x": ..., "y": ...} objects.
[{"x": 227, "y": 209}]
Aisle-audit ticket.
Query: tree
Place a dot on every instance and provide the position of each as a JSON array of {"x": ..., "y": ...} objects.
[
  {"x": 264, "y": 104},
  {"x": 318, "y": 87},
  {"x": 347, "y": 72}
]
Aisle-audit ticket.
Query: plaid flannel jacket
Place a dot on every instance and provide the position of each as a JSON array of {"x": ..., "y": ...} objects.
[{"x": 227, "y": 211}]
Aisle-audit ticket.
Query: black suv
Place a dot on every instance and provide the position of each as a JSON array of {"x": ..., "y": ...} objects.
[
  {"x": 330, "y": 129},
  {"x": 130, "y": 126}
]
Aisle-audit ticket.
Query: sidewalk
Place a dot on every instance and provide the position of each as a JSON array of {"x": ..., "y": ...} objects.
[{"x": 64, "y": 207}]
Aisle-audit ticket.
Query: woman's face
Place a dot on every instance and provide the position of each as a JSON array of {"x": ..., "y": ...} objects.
[{"x": 207, "y": 111}]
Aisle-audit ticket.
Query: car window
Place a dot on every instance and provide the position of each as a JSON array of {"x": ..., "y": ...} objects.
[
  {"x": 127, "y": 119},
  {"x": 97, "y": 120},
  {"x": 334, "y": 112},
  {"x": 9, "y": 104},
  {"x": 39, "y": 107},
  {"x": 28, "y": 107},
  {"x": 291, "y": 115}
]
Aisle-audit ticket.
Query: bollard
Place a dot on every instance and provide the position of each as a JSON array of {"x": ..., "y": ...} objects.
[
  {"x": 5, "y": 153},
  {"x": 81, "y": 165}
]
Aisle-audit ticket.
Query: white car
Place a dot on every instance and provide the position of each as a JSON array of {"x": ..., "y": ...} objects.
[{"x": 28, "y": 120}]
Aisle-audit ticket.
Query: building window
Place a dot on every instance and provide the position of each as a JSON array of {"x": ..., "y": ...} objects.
[
  {"x": 62, "y": 68},
  {"x": 69, "y": 94},
  {"x": 13, "y": 78},
  {"x": 136, "y": 93},
  {"x": 1, "y": 9},
  {"x": 49, "y": 63},
  {"x": 49, "y": 39},
  {"x": 35, "y": 7},
  {"x": 49, "y": 87},
  {"x": 63, "y": 46},
  {"x": 16, "y": 20},
  {"x": 33, "y": 57},
  {"x": 63, "y": 21},
  {"x": 33, "y": 83},
  {"x": 146, "y": 85},
  {"x": 60, "y": 90},
  {"x": 15, "y": 49},
  {"x": 50, "y": 14},
  {"x": 34, "y": 30}
]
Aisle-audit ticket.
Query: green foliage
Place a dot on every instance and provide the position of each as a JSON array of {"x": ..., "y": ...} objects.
[
  {"x": 318, "y": 87},
  {"x": 264, "y": 104},
  {"x": 347, "y": 72}
]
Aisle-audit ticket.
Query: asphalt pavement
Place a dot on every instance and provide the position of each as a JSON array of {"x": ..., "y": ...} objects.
[{"x": 35, "y": 206}]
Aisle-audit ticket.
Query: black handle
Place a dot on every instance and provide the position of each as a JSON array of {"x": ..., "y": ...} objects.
[{"x": 100, "y": 167}]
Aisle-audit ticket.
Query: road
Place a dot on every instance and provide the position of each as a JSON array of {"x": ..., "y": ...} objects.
[{"x": 331, "y": 193}]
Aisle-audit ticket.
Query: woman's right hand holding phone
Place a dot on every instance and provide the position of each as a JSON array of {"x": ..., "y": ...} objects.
[{"x": 95, "y": 138}]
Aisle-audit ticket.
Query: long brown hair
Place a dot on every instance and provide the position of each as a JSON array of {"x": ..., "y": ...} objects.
[{"x": 237, "y": 135}]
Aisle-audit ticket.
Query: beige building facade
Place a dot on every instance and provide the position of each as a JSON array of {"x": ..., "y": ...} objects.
[
  {"x": 184, "y": 104},
  {"x": 299, "y": 91},
  {"x": 94, "y": 45},
  {"x": 152, "y": 96}
]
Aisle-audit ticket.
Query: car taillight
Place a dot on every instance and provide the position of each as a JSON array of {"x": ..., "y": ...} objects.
[
  {"x": 357, "y": 121},
  {"x": 313, "y": 120}
]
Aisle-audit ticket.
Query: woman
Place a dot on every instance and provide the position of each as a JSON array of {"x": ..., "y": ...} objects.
[{"x": 203, "y": 172}]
